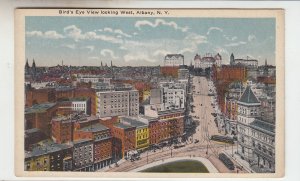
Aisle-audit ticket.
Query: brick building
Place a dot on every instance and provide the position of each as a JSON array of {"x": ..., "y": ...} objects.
[
  {"x": 33, "y": 136},
  {"x": 170, "y": 124},
  {"x": 62, "y": 129},
  {"x": 101, "y": 135},
  {"x": 39, "y": 96},
  {"x": 124, "y": 140},
  {"x": 40, "y": 116}
]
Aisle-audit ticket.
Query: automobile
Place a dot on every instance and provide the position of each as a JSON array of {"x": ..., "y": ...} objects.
[
  {"x": 225, "y": 139},
  {"x": 196, "y": 141},
  {"x": 227, "y": 162},
  {"x": 201, "y": 104},
  {"x": 178, "y": 146}
]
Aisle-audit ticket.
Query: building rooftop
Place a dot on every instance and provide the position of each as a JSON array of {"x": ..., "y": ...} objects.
[
  {"x": 94, "y": 128},
  {"x": 174, "y": 55},
  {"x": 33, "y": 130},
  {"x": 248, "y": 96},
  {"x": 263, "y": 126},
  {"x": 79, "y": 99},
  {"x": 172, "y": 111},
  {"x": 75, "y": 117},
  {"x": 45, "y": 147},
  {"x": 81, "y": 141},
  {"x": 123, "y": 126},
  {"x": 38, "y": 108},
  {"x": 132, "y": 121}
]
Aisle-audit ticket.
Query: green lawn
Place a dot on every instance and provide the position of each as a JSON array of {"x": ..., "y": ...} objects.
[{"x": 183, "y": 166}]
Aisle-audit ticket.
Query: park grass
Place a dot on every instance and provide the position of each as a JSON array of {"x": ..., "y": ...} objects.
[{"x": 183, "y": 166}]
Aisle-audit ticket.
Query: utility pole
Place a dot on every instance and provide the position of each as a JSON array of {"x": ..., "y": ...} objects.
[
  {"x": 147, "y": 156},
  {"x": 232, "y": 149}
]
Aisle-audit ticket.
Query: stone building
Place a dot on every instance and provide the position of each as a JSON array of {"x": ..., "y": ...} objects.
[
  {"x": 119, "y": 100},
  {"x": 256, "y": 137}
]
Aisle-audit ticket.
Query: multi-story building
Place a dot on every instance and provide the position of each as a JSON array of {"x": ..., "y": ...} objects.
[
  {"x": 173, "y": 95},
  {"x": 33, "y": 136},
  {"x": 48, "y": 156},
  {"x": 119, "y": 100},
  {"x": 83, "y": 155},
  {"x": 39, "y": 116},
  {"x": 183, "y": 73},
  {"x": 78, "y": 104},
  {"x": 154, "y": 128},
  {"x": 249, "y": 63},
  {"x": 124, "y": 140},
  {"x": 62, "y": 129},
  {"x": 92, "y": 78},
  {"x": 39, "y": 96},
  {"x": 101, "y": 135},
  {"x": 141, "y": 131},
  {"x": 207, "y": 61},
  {"x": 171, "y": 123},
  {"x": 256, "y": 137},
  {"x": 173, "y": 60}
]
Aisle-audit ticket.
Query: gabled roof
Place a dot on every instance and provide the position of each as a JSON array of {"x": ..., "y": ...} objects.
[{"x": 248, "y": 96}]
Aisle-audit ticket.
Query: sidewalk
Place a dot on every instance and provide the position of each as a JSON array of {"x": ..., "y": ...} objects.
[
  {"x": 240, "y": 161},
  {"x": 104, "y": 169}
]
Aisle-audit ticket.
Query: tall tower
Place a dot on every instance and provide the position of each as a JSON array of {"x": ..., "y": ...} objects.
[
  {"x": 27, "y": 67},
  {"x": 248, "y": 110},
  {"x": 231, "y": 59}
]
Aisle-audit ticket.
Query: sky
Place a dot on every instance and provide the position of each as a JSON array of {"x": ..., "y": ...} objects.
[{"x": 141, "y": 41}]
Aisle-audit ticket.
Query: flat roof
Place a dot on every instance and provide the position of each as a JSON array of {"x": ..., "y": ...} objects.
[
  {"x": 45, "y": 147},
  {"x": 133, "y": 121},
  {"x": 94, "y": 128},
  {"x": 263, "y": 126},
  {"x": 123, "y": 126},
  {"x": 170, "y": 111},
  {"x": 38, "y": 108},
  {"x": 33, "y": 130}
]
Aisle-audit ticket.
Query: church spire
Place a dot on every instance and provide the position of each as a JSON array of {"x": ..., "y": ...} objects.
[
  {"x": 231, "y": 59},
  {"x": 33, "y": 64},
  {"x": 111, "y": 63},
  {"x": 266, "y": 62},
  {"x": 27, "y": 65}
]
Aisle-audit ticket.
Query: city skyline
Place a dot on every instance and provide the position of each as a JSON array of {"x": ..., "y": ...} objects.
[{"x": 131, "y": 41}]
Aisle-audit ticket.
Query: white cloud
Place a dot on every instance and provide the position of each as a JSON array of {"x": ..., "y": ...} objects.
[
  {"x": 230, "y": 38},
  {"x": 117, "y": 31},
  {"x": 137, "y": 56},
  {"x": 158, "y": 22},
  {"x": 71, "y": 46},
  {"x": 214, "y": 29},
  {"x": 90, "y": 47},
  {"x": 47, "y": 35},
  {"x": 186, "y": 50},
  {"x": 154, "y": 50},
  {"x": 93, "y": 58},
  {"x": 235, "y": 44},
  {"x": 161, "y": 52},
  {"x": 75, "y": 33},
  {"x": 108, "y": 52},
  {"x": 195, "y": 38},
  {"x": 251, "y": 38}
]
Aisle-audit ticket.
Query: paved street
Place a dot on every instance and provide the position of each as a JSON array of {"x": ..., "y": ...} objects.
[{"x": 204, "y": 148}]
